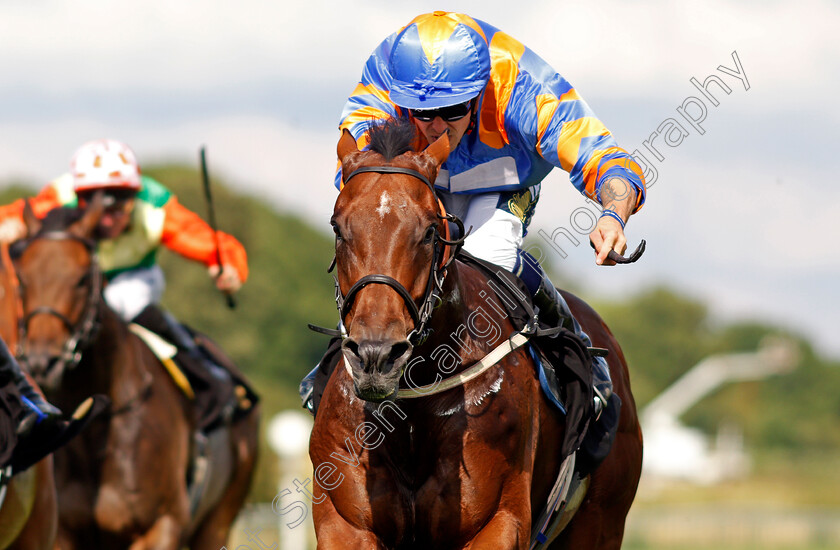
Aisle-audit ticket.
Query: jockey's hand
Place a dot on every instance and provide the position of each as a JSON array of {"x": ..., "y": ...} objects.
[
  {"x": 11, "y": 230},
  {"x": 608, "y": 235},
  {"x": 228, "y": 281}
]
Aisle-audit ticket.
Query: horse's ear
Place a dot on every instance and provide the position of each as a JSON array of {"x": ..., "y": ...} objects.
[
  {"x": 87, "y": 223},
  {"x": 30, "y": 220},
  {"x": 439, "y": 150},
  {"x": 346, "y": 145}
]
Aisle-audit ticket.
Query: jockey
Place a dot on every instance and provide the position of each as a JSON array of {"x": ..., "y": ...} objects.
[
  {"x": 510, "y": 119},
  {"x": 140, "y": 215}
]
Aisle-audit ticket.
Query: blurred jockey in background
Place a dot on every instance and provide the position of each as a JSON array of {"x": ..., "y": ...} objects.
[{"x": 140, "y": 215}]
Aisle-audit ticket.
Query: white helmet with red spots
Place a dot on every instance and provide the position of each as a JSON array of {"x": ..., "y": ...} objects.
[{"x": 103, "y": 164}]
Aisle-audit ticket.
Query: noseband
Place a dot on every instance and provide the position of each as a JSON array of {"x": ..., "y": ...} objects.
[
  {"x": 83, "y": 331},
  {"x": 437, "y": 272}
]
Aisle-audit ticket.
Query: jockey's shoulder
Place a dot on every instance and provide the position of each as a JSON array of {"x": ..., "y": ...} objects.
[
  {"x": 153, "y": 192},
  {"x": 62, "y": 187}
]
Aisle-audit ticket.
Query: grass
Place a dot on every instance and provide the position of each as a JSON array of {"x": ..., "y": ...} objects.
[
  {"x": 718, "y": 546},
  {"x": 785, "y": 480},
  {"x": 789, "y": 502}
]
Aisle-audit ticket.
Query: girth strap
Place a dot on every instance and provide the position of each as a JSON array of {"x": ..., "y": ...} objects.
[{"x": 490, "y": 360}]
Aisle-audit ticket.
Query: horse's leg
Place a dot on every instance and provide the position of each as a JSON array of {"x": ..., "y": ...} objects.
[
  {"x": 213, "y": 532},
  {"x": 165, "y": 534},
  {"x": 335, "y": 533},
  {"x": 65, "y": 540},
  {"x": 504, "y": 532},
  {"x": 68, "y": 539}
]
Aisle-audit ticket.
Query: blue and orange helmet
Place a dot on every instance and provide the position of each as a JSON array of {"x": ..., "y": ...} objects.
[{"x": 437, "y": 60}]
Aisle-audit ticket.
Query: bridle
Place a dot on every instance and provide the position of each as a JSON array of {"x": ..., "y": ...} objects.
[
  {"x": 445, "y": 250},
  {"x": 85, "y": 329}
]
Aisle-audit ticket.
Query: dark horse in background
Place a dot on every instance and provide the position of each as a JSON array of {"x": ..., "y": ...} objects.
[
  {"x": 29, "y": 512},
  {"x": 466, "y": 468},
  {"x": 124, "y": 482}
]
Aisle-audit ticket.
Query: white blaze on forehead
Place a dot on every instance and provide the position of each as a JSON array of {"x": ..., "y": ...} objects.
[{"x": 384, "y": 205}]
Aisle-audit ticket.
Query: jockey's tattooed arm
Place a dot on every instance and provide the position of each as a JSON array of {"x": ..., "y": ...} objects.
[{"x": 619, "y": 199}]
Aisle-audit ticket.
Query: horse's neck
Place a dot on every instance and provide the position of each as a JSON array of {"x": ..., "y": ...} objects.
[
  {"x": 8, "y": 311},
  {"x": 467, "y": 297},
  {"x": 112, "y": 369},
  {"x": 455, "y": 343},
  {"x": 8, "y": 300},
  {"x": 468, "y": 323}
]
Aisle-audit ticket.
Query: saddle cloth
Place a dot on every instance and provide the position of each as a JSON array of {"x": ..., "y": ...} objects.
[{"x": 165, "y": 352}]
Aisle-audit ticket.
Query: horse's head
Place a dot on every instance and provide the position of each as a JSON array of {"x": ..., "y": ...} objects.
[
  {"x": 389, "y": 251},
  {"x": 60, "y": 290}
]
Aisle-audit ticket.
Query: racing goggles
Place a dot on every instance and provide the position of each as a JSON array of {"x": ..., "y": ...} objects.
[
  {"x": 448, "y": 114},
  {"x": 115, "y": 200}
]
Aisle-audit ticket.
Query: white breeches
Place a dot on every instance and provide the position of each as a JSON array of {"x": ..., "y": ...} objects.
[
  {"x": 496, "y": 235},
  {"x": 131, "y": 291}
]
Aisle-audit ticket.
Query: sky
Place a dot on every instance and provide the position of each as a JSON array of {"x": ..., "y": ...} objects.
[{"x": 740, "y": 214}]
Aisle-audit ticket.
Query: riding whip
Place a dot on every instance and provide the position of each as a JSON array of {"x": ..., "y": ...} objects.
[{"x": 211, "y": 217}]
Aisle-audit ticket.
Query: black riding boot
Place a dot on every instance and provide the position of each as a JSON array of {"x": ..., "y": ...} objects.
[
  {"x": 554, "y": 311},
  {"x": 212, "y": 384},
  {"x": 41, "y": 428}
]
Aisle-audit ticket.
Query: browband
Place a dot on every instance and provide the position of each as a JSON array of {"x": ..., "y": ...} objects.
[{"x": 391, "y": 170}]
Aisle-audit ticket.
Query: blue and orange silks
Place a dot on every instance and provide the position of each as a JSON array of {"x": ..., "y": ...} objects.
[{"x": 529, "y": 119}]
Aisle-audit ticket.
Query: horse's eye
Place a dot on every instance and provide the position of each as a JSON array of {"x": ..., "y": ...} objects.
[
  {"x": 429, "y": 236},
  {"x": 336, "y": 230},
  {"x": 16, "y": 249},
  {"x": 83, "y": 281}
]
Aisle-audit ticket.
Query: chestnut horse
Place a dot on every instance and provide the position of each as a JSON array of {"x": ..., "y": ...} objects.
[
  {"x": 29, "y": 512},
  {"x": 123, "y": 482},
  {"x": 468, "y": 467}
]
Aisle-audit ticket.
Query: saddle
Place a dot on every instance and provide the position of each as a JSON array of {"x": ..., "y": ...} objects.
[{"x": 220, "y": 393}]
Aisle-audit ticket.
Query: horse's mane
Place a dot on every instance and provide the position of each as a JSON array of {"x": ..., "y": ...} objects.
[
  {"x": 59, "y": 219},
  {"x": 392, "y": 137}
]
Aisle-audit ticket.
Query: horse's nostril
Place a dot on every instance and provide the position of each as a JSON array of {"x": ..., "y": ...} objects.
[
  {"x": 351, "y": 346},
  {"x": 378, "y": 356},
  {"x": 398, "y": 350}
]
